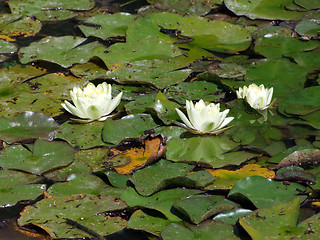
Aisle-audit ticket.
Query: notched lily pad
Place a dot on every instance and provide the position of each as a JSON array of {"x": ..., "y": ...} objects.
[
  {"x": 52, "y": 215},
  {"x": 18, "y": 186},
  {"x": 26, "y": 127},
  {"x": 295, "y": 174},
  {"x": 130, "y": 156},
  {"x": 45, "y": 156}
]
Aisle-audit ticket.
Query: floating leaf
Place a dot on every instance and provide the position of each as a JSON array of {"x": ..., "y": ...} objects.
[
  {"x": 206, "y": 150},
  {"x": 161, "y": 201},
  {"x": 64, "y": 51},
  {"x": 45, "y": 157},
  {"x": 89, "y": 71},
  {"x": 277, "y": 43},
  {"x": 6, "y": 49},
  {"x": 232, "y": 216},
  {"x": 74, "y": 185},
  {"x": 49, "y": 11},
  {"x": 26, "y": 127},
  {"x": 265, "y": 9},
  {"x": 225, "y": 179},
  {"x": 140, "y": 220},
  {"x": 203, "y": 231},
  {"x": 90, "y": 134},
  {"x": 301, "y": 157},
  {"x": 107, "y": 25},
  {"x": 165, "y": 109},
  {"x": 51, "y": 215},
  {"x": 309, "y": 26},
  {"x": 263, "y": 192},
  {"x": 193, "y": 91},
  {"x": 18, "y": 186},
  {"x": 207, "y": 206},
  {"x": 126, "y": 158},
  {"x": 159, "y": 175},
  {"x": 16, "y": 25},
  {"x": 272, "y": 221},
  {"x": 140, "y": 104},
  {"x": 295, "y": 174},
  {"x": 130, "y": 126},
  {"x": 155, "y": 72}
]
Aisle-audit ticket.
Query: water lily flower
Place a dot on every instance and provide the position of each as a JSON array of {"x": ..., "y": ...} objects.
[
  {"x": 204, "y": 118},
  {"x": 92, "y": 103},
  {"x": 258, "y": 98}
]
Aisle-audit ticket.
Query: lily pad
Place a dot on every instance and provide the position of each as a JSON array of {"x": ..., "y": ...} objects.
[
  {"x": 18, "y": 186},
  {"x": 263, "y": 9},
  {"x": 65, "y": 51},
  {"x": 140, "y": 104},
  {"x": 7, "y": 48},
  {"x": 165, "y": 109},
  {"x": 142, "y": 221},
  {"x": 155, "y": 72},
  {"x": 27, "y": 126},
  {"x": 130, "y": 126},
  {"x": 276, "y": 43},
  {"x": 309, "y": 25},
  {"x": 90, "y": 134},
  {"x": 203, "y": 231},
  {"x": 231, "y": 216},
  {"x": 207, "y": 206},
  {"x": 45, "y": 157},
  {"x": 52, "y": 215},
  {"x": 17, "y": 25},
  {"x": 89, "y": 71},
  {"x": 159, "y": 176},
  {"x": 195, "y": 90},
  {"x": 263, "y": 192},
  {"x": 225, "y": 179},
  {"x": 49, "y": 11},
  {"x": 206, "y": 150},
  {"x": 107, "y": 25},
  {"x": 161, "y": 201},
  {"x": 75, "y": 185}
]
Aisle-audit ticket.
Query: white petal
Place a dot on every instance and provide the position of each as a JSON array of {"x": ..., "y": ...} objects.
[
  {"x": 184, "y": 118},
  {"x": 73, "y": 110},
  {"x": 113, "y": 103},
  {"x": 93, "y": 112}
]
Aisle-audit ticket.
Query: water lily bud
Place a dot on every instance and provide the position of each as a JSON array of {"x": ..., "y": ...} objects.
[
  {"x": 258, "y": 97},
  {"x": 92, "y": 103},
  {"x": 204, "y": 118}
]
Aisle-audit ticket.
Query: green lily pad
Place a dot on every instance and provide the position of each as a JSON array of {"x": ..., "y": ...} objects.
[
  {"x": 45, "y": 157},
  {"x": 89, "y": 71},
  {"x": 193, "y": 90},
  {"x": 231, "y": 216},
  {"x": 207, "y": 206},
  {"x": 49, "y": 11},
  {"x": 309, "y": 26},
  {"x": 27, "y": 126},
  {"x": 161, "y": 201},
  {"x": 210, "y": 35},
  {"x": 51, "y": 215},
  {"x": 308, "y": 4},
  {"x": 263, "y": 9},
  {"x": 7, "y": 48},
  {"x": 159, "y": 176},
  {"x": 203, "y": 231},
  {"x": 310, "y": 60},
  {"x": 263, "y": 192},
  {"x": 16, "y": 25},
  {"x": 312, "y": 119},
  {"x": 206, "y": 150},
  {"x": 43, "y": 94},
  {"x": 278, "y": 222},
  {"x": 155, "y": 72},
  {"x": 302, "y": 102},
  {"x": 117, "y": 180},
  {"x": 276, "y": 43},
  {"x": 142, "y": 221},
  {"x": 107, "y": 25},
  {"x": 228, "y": 70},
  {"x": 185, "y": 7},
  {"x": 75, "y": 185},
  {"x": 130, "y": 126},
  {"x": 90, "y": 134},
  {"x": 18, "y": 186},
  {"x": 140, "y": 104},
  {"x": 295, "y": 174},
  {"x": 64, "y": 51},
  {"x": 135, "y": 51},
  {"x": 165, "y": 109}
]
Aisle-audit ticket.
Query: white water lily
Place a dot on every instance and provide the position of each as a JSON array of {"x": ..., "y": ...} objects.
[
  {"x": 204, "y": 118},
  {"x": 258, "y": 97},
  {"x": 92, "y": 103}
]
